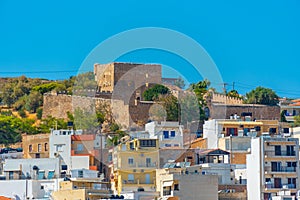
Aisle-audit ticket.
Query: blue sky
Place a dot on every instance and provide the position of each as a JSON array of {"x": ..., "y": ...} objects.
[{"x": 252, "y": 42}]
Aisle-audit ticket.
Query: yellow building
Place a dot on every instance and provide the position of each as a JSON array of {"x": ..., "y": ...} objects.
[
  {"x": 134, "y": 165},
  {"x": 35, "y": 146},
  {"x": 82, "y": 189}
]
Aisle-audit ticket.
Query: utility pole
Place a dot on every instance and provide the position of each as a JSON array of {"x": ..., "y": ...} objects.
[{"x": 224, "y": 87}]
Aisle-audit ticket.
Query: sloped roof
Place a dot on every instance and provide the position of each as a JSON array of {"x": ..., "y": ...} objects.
[{"x": 211, "y": 152}]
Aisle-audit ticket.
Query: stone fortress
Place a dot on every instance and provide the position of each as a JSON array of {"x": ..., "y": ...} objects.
[{"x": 120, "y": 87}]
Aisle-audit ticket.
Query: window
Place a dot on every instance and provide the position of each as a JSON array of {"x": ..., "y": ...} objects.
[
  {"x": 30, "y": 148},
  {"x": 168, "y": 145},
  {"x": 272, "y": 130},
  {"x": 292, "y": 182},
  {"x": 148, "y": 143},
  {"x": 290, "y": 150},
  {"x": 42, "y": 187},
  {"x": 148, "y": 162},
  {"x": 231, "y": 132},
  {"x": 46, "y": 146},
  {"x": 80, "y": 174},
  {"x": 172, "y": 133},
  {"x": 59, "y": 147},
  {"x": 176, "y": 145},
  {"x": 64, "y": 167},
  {"x": 130, "y": 161},
  {"x": 286, "y": 130},
  {"x": 39, "y": 147},
  {"x": 166, "y": 134},
  {"x": 130, "y": 177},
  {"x": 79, "y": 147},
  {"x": 176, "y": 187},
  {"x": 277, "y": 150},
  {"x": 11, "y": 175}
]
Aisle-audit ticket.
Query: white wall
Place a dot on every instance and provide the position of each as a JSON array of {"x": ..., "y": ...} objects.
[
  {"x": 28, "y": 188},
  {"x": 156, "y": 129},
  {"x": 26, "y": 165},
  {"x": 211, "y": 131},
  {"x": 254, "y": 170},
  {"x": 79, "y": 162},
  {"x": 223, "y": 170},
  {"x": 65, "y": 153}
]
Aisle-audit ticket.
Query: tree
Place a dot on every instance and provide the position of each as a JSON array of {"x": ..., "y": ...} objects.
[
  {"x": 200, "y": 89},
  {"x": 85, "y": 120},
  {"x": 261, "y": 95},
  {"x": 179, "y": 83},
  {"x": 39, "y": 113},
  {"x": 233, "y": 93},
  {"x": 153, "y": 93},
  {"x": 297, "y": 120},
  {"x": 33, "y": 101},
  {"x": 51, "y": 123},
  {"x": 282, "y": 116},
  {"x": 171, "y": 105}
]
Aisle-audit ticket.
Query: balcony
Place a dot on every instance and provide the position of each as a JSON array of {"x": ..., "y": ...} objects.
[
  {"x": 273, "y": 154},
  {"x": 143, "y": 165},
  {"x": 269, "y": 170},
  {"x": 137, "y": 182},
  {"x": 270, "y": 186}
]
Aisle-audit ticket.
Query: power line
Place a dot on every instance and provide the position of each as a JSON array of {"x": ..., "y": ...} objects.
[{"x": 37, "y": 72}]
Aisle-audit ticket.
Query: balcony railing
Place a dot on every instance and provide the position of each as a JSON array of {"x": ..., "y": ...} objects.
[
  {"x": 279, "y": 186},
  {"x": 281, "y": 153},
  {"x": 167, "y": 192},
  {"x": 137, "y": 182},
  {"x": 281, "y": 169},
  {"x": 143, "y": 165}
]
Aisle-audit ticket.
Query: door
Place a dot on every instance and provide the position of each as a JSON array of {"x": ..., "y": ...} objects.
[
  {"x": 148, "y": 181},
  {"x": 148, "y": 162},
  {"x": 277, "y": 183},
  {"x": 276, "y": 166},
  {"x": 277, "y": 150}
]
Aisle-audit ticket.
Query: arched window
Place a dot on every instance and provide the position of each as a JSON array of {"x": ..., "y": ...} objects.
[{"x": 46, "y": 146}]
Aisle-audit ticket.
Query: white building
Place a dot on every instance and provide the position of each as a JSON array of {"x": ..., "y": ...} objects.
[
  {"x": 273, "y": 165},
  {"x": 60, "y": 147},
  {"x": 41, "y": 168},
  {"x": 29, "y": 189},
  {"x": 186, "y": 183},
  {"x": 225, "y": 172},
  {"x": 84, "y": 173},
  {"x": 169, "y": 134}
]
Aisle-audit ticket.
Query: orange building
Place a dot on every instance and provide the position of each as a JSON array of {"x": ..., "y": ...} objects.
[{"x": 35, "y": 146}]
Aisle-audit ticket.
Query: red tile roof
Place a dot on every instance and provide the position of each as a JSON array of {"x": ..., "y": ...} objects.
[{"x": 83, "y": 137}]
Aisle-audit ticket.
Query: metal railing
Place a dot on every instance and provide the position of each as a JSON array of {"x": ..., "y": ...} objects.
[
  {"x": 281, "y": 169},
  {"x": 281, "y": 153},
  {"x": 279, "y": 186}
]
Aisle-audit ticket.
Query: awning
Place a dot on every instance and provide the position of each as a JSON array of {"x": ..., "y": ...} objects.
[{"x": 167, "y": 183}]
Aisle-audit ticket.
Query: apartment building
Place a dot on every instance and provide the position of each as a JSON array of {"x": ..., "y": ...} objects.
[
  {"x": 273, "y": 165},
  {"x": 134, "y": 165},
  {"x": 169, "y": 134},
  {"x": 177, "y": 181}
]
